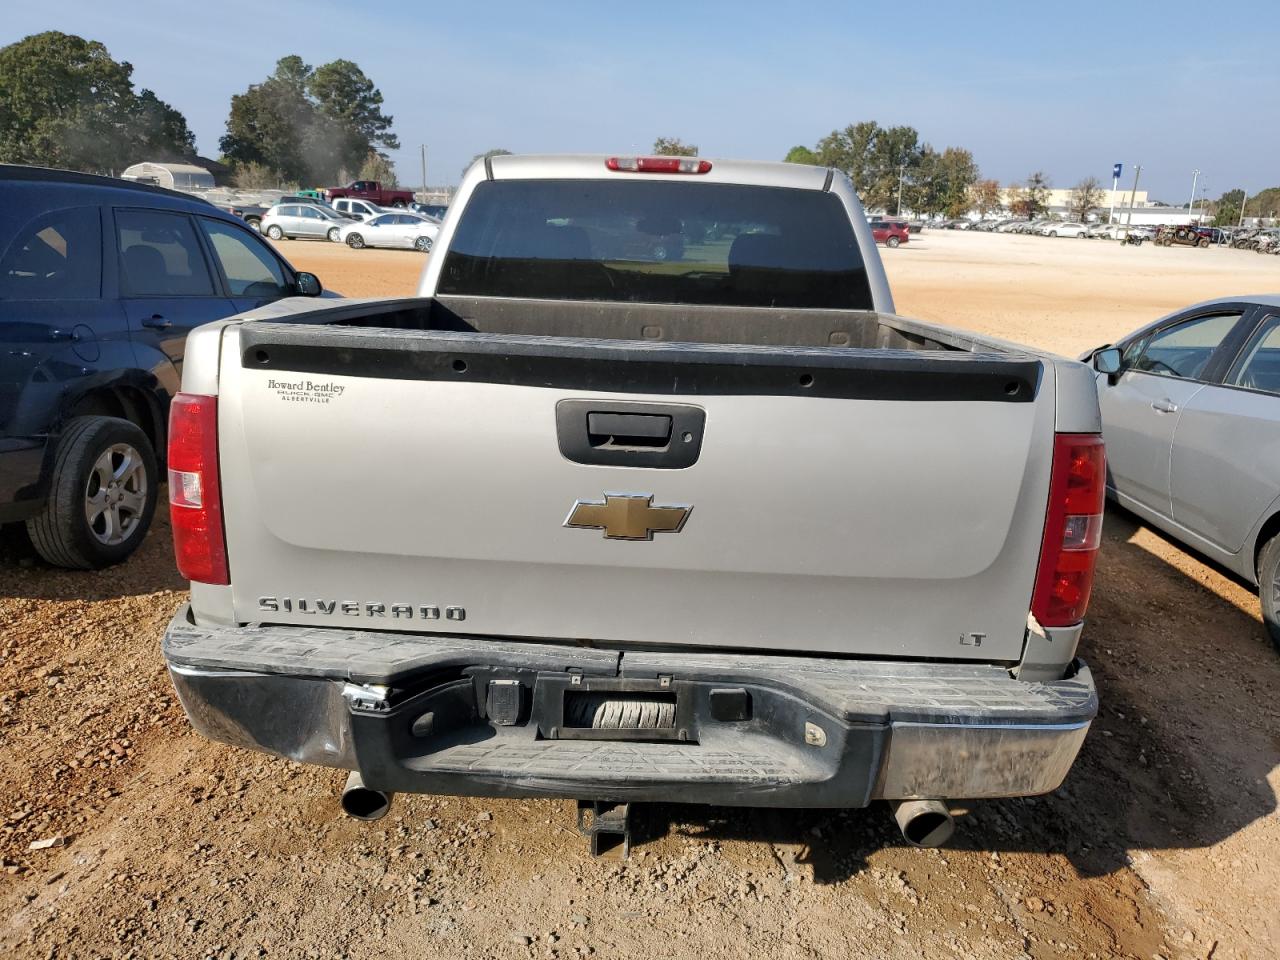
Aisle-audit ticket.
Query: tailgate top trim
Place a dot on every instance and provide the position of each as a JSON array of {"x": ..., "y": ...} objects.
[{"x": 626, "y": 366}]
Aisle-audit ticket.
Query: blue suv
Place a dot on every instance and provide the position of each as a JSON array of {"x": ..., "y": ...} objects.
[{"x": 101, "y": 280}]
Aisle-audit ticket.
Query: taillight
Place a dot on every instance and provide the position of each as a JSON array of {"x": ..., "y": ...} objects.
[
  {"x": 658, "y": 165},
  {"x": 195, "y": 496},
  {"x": 1072, "y": 530}
]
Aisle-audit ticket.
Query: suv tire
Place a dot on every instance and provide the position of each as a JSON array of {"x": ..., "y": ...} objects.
[
  {"x": 1269, "y": 587},
  {"x": 102, "y": 462},
  {"x": 892, "y": 242}
]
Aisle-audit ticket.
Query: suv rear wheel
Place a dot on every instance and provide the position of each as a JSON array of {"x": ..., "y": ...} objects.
[
  {"x": 102, "y": 495},
  {"x": 892, "y": 242}
]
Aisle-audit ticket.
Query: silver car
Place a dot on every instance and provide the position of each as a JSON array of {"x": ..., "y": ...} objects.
[
  {"x": 404, "y": 230},
  {"x": 302, "y": 220},
  {"x": 1191, "y": 415}
]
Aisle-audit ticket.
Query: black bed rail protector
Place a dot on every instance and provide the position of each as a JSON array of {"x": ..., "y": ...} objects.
[{"x": 625, "y": 366}]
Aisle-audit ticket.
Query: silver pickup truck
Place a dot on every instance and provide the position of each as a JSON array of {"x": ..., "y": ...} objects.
[{"x": 648, "y": 495}]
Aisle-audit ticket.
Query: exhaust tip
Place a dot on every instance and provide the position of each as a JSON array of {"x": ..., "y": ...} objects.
[
  {"x": 924, "y": 823},
  {"x": 361, "y": 802}
]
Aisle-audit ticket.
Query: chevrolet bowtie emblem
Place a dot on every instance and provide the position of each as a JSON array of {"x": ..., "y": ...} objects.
[{"x": 627, "y": 516}]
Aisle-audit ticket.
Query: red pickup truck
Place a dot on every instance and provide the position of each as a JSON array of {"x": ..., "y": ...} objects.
[{"x": 372, "y": 191}]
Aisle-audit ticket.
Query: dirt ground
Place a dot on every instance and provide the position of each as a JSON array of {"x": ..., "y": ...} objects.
[{"x": 1164, "y": 841}]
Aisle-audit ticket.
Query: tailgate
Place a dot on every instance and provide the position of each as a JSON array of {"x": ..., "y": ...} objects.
[{"x": 869, "y": 502}]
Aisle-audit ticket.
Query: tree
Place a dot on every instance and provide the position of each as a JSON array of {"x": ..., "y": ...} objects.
[
  {"x": 673, "y": 147},
  {"x": 1226, "y": 209},
  {"x": 1031, "y": 198},
  {"x": 377, "y": 167},
  {"x": 256, "y": 176},
  {"x": 1264, "y": 203},
  {"x": 67, "y": 103},
  {"x": 497, "y": 152},
  {"x": 984, "y": 196},
  {"x": 877, "y": 159},
  {"x": 800, "y": 155},
  {"x": 307, "y": 124},
  {"x": 1086, "y": 197}
]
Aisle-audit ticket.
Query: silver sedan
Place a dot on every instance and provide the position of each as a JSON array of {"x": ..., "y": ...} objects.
[
  {"x": 1191, "y": 417},
  {"x": 302, "y": 220},
  {"x": 408, "y": 231}
]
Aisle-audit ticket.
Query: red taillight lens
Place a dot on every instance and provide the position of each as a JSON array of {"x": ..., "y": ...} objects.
[
  {"x": 1072, "y": 531},
  {"x": 195, "y": 496},
  {"x": 658, "y": 165}
]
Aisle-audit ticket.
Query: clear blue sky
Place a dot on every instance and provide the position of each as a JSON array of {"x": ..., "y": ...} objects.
[{"x": 1067, "y": 88}]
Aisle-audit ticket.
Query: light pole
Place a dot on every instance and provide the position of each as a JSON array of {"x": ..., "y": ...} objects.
[
  {"x": 1137, "y": 172},
  {"x": 424, "y": 173},
  {"x": 1115, "y": 185},
  {"x": 1195, "y": 176},
  {"x": 902, "y": 173}
]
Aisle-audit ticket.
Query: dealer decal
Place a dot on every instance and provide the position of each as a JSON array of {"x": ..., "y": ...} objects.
[{"x": 306, "y": 391}]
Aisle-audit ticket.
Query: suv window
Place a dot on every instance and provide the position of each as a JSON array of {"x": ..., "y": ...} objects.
[
  {"x": 1183, "y": 350},
  {"x": 1259, "y": 366},
  {"x": 657, "y": 241},
  {"x": 57, "y": 256},
  {"x": 250, "y": 270},
  {"x": 160, "y": 255}
]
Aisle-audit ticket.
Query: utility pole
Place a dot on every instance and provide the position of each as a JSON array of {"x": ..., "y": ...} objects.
[
  {"x": 1244, "y": 200},
  {"x": 1137, "y": 172},
  {"x": 902, "y": 173},
  {"x": 1195, "y": 177},
  {"x": 424, "y": 173}
]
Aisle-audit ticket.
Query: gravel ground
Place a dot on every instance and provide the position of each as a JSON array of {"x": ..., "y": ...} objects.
[{"x": 124, "y": 834}]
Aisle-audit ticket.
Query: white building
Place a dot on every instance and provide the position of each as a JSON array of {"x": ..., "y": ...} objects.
[{"x": 174, "y": 176}]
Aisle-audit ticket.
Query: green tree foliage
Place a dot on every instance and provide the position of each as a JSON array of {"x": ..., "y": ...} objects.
[
  {"x": 497, "y": 152},
  {"x": 1265, "y": 203},
  {"x": 1226, "y": 209},
  {"x": 380, "y": 168},
  {"x": 307, "y": 124},
  {"x": 800, "y": 154},
  {"x": 65, "y": 103},
  {"x": 673, "y": 147},
  {"x": 940, "y": 182},
  {"x": 1086, "y": 197},
  {"x": 875, "y": 158}
]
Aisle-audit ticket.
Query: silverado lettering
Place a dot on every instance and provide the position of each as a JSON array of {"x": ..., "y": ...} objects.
[{"x": 353, "y": 608}]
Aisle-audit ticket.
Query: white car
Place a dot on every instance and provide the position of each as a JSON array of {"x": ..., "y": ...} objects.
[
  {"x": 406, "y": 230},
  {"x": 1070, "y": 228},
  {"x": 358, "y": 209}
]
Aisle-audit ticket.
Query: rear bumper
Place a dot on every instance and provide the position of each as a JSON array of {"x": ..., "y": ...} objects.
[{"x": 419, "y": 714}]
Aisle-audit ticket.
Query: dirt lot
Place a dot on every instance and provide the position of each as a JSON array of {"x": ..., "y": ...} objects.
[{"x": 1164, "y": 841}]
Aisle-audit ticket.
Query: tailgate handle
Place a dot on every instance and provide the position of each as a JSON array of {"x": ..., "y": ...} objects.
[
  {"x": 628, "y": 430},
  {"x": 615, "y": 433}
]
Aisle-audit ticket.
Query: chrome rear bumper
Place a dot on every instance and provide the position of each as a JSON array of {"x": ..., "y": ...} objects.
[{"x": 416, "y": 713}]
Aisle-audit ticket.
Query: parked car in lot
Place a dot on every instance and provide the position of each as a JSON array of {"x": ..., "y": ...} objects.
[
  {"x": 373, "y": 191},
  {"x": 356, "y": 209},
  {"x": 405, "y": 230},
  {"x": 435, "y": 211},
  {"x": 1191, "y": 415},
  {"x": 892, "y": 233},
  {"x": 706, "y": 636},
  {"x": 101, "y": 280},
  {"x": 1104, "y": 231},
  {"x": 1067, "y": 228},
  {"x": 251, "y": 214},
  {"x": 295, "y": 221}
]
